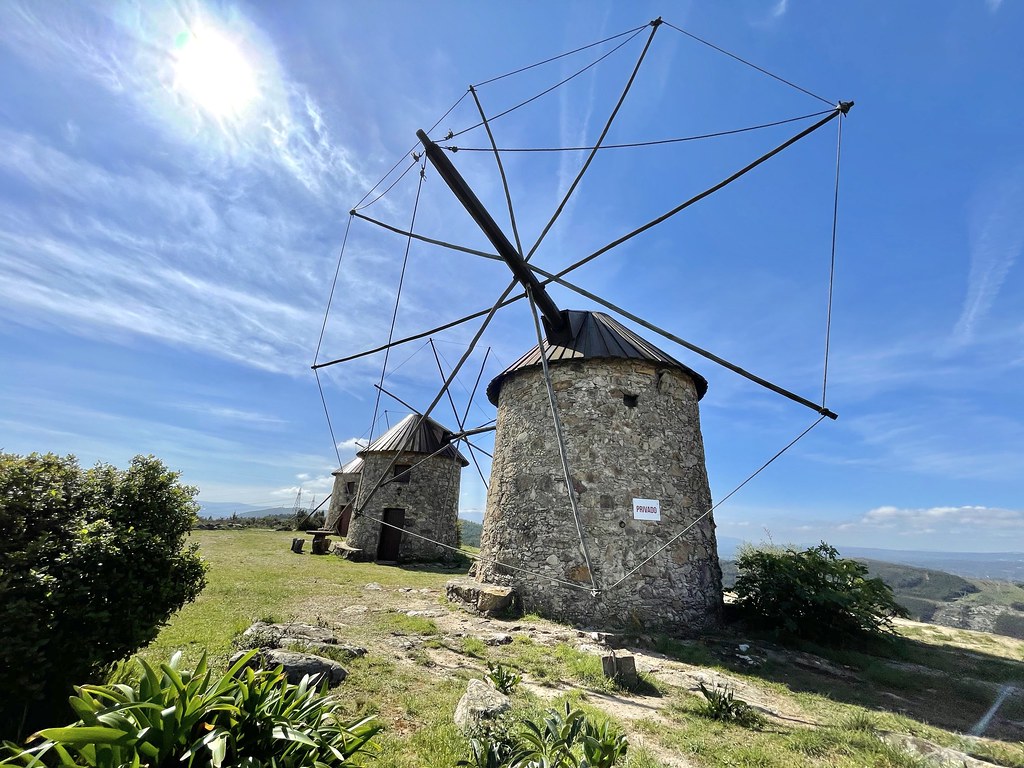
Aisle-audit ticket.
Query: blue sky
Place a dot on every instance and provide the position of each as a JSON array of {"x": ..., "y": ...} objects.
[{"x": 175, "y": 187}]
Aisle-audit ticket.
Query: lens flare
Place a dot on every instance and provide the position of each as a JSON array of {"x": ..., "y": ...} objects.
[{"x": 212, "y": 71}]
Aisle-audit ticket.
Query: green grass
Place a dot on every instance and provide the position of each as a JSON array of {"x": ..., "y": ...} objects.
[
  {"x": 254, "y": 575},
  {"x": 414, "y": 688}
]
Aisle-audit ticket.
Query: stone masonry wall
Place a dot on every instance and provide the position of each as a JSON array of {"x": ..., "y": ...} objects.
[
  {"x": 430, "y": 500},
  {"x": 616, "y": 453},
  {"x": 340, "y": 497}
]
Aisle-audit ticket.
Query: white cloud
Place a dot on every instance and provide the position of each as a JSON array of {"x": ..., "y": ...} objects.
[
  {"x": 942, "y": 519},
  {"x": 993, "y": 5},
  {"x": 350, "y": 446},
  {"x": 780, "y": 9}
]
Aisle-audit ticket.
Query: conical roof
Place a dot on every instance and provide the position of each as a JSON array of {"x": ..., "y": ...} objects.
[
  {"x": 356, "y": 465},
  {"x": 429, "y": 437},
  {"x": 594, "y": 335}
]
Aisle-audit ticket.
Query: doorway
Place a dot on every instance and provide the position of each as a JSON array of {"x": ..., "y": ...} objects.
[{"x": 391, "y": 537}]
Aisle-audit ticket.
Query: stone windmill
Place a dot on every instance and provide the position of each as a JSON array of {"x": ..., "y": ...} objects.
[
  {"x": 413, "y": 515},
  {"x": 598, "y": 507},
  {"x": 632, "y": 435}
]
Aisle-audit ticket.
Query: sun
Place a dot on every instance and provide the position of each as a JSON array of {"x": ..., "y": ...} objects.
[{"x": 212, "y": 71}]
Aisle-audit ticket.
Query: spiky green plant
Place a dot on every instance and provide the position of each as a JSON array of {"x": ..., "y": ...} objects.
[{"x": 191, "y": 718}]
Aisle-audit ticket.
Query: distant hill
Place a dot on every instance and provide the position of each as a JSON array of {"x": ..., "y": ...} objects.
[
  {"x": 470, "y": 532},
  {"x": 1006, "y": 566},
  {"x": 219, "y": 510}
]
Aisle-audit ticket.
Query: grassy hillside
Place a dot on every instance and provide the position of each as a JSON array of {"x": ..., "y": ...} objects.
[{"x": 817, "y": 707}]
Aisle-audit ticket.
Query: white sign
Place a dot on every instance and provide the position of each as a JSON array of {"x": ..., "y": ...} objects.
[{"x": 646, "y": 509}]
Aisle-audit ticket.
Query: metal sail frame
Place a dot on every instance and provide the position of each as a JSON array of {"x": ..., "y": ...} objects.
[{"x": 524, "y": 274}]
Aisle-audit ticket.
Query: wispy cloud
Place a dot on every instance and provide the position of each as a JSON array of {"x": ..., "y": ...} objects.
[
  {"x": 997, "y": 238},
  {"x": 780, "y": 9},
  {"x": 131, "y": 55},
  {"x": 233, "y": 414},
  {"x": 993, "y": 5}
]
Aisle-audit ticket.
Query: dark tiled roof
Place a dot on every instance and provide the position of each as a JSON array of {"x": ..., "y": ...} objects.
[
  {"x": 595, "y": 335},
  {"x": 429, "y": 438}
]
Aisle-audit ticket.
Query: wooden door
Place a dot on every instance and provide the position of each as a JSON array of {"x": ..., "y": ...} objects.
[
  {"x": 391, "y": 538},
  {"x": 344, "y": 520}
]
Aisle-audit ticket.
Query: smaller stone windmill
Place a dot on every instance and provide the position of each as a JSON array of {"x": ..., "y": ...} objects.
[{"x": 413, "y": 515}]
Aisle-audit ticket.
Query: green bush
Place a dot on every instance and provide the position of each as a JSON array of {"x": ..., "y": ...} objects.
[
  {"x": 1009, "y": 624},
  {"x": 503, "y": 679},
  {"x": 813, "y": 595},
  {"x": 721, "y": 704},
  {"x": 246, "y": 717},
  {"x": 918, "y": 608},
  {"x": 92, "y": 563}
]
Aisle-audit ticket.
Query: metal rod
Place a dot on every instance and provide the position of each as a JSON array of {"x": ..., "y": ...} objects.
[
  {"x": 476, "y": 384},
  {"x": 451, "y": 401},
  {"x": 821, "y": 409},
  {"x": 465, "y": 195},
  {"x": 396, "y": 397},
  {"x": 468, "y": 432},
  {"x": 425, "y": 239},
  {"x": 608, "y": 124}
]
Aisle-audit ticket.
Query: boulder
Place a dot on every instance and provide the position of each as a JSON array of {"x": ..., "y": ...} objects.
[
  {"x": 296, "y": 665},
  {"x": 931, "y": 754},
  {"x": 480, "y": 703},
  {"x": 487, "y": 599},
  {"x": 264, "y": 635},
  {"x": 352, "y": 651}
]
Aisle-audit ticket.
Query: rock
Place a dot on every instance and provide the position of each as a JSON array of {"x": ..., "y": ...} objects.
[
  {"x": 296, "y": 665},
  {"x": 373, "y": 585},
  {"x": 621, "y": 669},
  {"x": 494, "y": 601},
  {"x": 352, "y": 651},
  {"x": 261, "y": 635},
  {"x": 931, "y": 754},
  {"x": 743, "y": 647},
  {"x": 499, "y": 639},
  {"x": 307, "y": 632},
  {"x": 264, "y": 635},
  {"x": 480, "y": 702},
  {"x": 488, "y": 599}
]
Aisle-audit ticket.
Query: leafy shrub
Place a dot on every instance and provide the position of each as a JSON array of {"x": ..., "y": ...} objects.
[
  {"x": 502, "y": 678},
  {"x": 1009, "y": 624},
  {"x": 246, "y": 717},
  {"x": 722, "y": 704},
  {"x": 813, "y": 595},
  {"x": 92, "y": 563},
  {"x": 918, "y": 608},
  {"x": 564, "y": 739}
]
